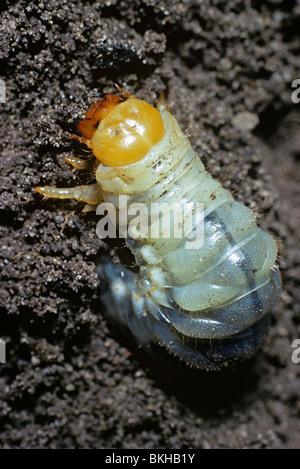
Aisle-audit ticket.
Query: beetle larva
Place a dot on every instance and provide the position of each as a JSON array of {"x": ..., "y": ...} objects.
[{"x": 208, "y": 305}]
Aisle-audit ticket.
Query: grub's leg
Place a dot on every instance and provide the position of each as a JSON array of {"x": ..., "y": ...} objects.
[
  {"x": 84, "y": 140},
  {"x": 89, "y": 208},
  {"x": 161, "y": 102},
  {"x": 125, "y": 94},
  {"x": 78, "y": 162},
  {"x": 90, "y": 194}
]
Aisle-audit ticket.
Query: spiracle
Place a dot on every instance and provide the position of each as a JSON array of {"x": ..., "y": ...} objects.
[{"x": 203, "y": 294}]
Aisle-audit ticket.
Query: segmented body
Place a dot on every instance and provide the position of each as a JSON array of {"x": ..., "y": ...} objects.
[{"x": 208, "y": 306}]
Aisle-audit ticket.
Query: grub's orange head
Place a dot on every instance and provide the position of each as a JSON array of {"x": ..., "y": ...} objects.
[{"x": 121, "y": 131}]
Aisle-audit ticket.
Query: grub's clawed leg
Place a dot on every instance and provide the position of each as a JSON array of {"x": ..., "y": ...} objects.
[
  {"x": 84, "y": 140},
  {"x": 78, "y": 162},
  {"x": 89, "y": 194}
]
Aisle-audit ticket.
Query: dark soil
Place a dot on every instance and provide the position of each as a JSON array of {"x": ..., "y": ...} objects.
[{"x": 71, "y": 381}]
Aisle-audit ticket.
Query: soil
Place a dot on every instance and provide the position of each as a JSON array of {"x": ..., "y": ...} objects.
[{"x": 70, "y": 379}]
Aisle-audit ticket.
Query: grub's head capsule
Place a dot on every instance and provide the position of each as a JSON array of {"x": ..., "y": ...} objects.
[{"x": 121, "y": 131}]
